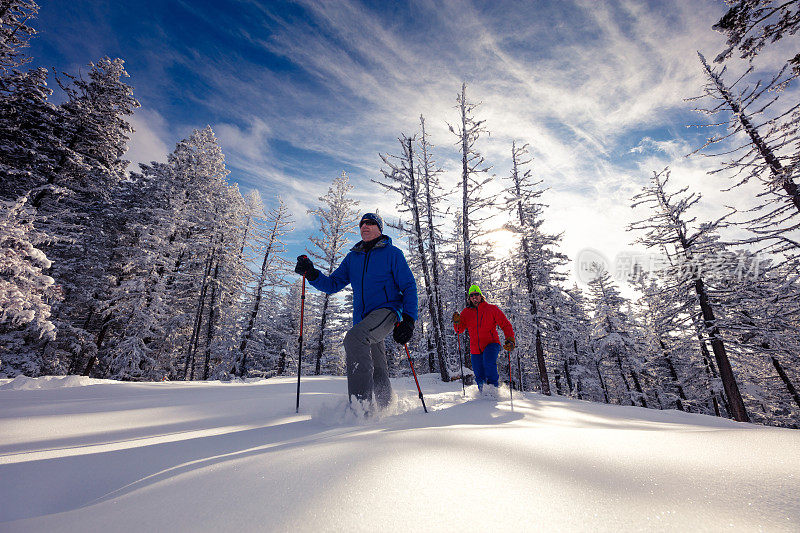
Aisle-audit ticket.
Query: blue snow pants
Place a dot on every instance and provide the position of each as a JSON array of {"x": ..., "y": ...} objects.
[{"x": 484, "y": 365}]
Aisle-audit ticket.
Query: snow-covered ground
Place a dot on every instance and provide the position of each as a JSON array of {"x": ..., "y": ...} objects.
[{"x": 78, "y": 454}]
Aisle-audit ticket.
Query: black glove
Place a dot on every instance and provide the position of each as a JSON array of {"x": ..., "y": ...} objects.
[
  {"x": 306, "y": 268},
  {"x": 403, "y": 330}
]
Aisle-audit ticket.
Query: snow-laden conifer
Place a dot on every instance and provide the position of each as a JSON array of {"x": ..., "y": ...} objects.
[
  {"x": 613, "y": 343},
  {"x": 15, "y": 32},
  {"x": 267, "y": 244},
  {"x": 337, "y": 215},
  {"x": 690, "y": 252},
  {"x": 538, "y": 251},
  {"x": 75, "y": 204},
  {"x": 403, "y": 175},
  {"x": 473, "y": 181},
  {"x": 752, "y": 25},
  {"x": 29, "y": 144},
  {"x": 24, "y": 288},
  {"x": 761, "y": 143}
]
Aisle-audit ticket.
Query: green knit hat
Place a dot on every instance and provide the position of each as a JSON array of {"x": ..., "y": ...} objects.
[{"x": 474, "y": 289}]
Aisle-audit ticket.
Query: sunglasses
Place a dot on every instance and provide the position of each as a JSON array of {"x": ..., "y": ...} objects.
[{"x": 368, "y": 223}]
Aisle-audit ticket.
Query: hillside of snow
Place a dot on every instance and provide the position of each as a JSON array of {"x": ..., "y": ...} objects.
[{"x": 78, "y": 454}]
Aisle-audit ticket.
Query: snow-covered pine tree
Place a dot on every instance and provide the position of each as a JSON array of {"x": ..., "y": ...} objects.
[
  {"x": 573, "y": 334},
  {"x": 432, "y": 195},
  {"x": 25, "y": 291},
  {"x": 268, "y": 244},
  {"x": 751, "y": 25},
  {"x": 139, "y": 313},
  {"x": 759, "y": 312},
  {"x": 15, "y": 32},
  {"x": 667, "y": 229},
  {"x": 29, "y": 146},
  {"x": 402, "y": 176},
  {"x": 667, "y": 338},
  {"x": 613, "y": 341},
  {"x": 538, "y": 252},
  {"x": 210, "y": 263},
  {"x": 230, "y": 274},
  {"x": 75, "y": 204},
  {"x": 338, "y": 217},
  {"x": 474, "y": 199},
  {"x": 765, "y": 142}
]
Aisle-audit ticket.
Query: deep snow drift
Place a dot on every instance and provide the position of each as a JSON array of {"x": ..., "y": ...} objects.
[{"x": 79, "y": 454}]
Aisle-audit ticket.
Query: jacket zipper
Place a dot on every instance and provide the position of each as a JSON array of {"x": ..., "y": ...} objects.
[
  {"x": 364, "y": 275},
  {"x": 478, "y": 318}
]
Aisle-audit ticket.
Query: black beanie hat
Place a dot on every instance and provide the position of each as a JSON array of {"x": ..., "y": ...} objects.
[{"x": 372, "y": 217}]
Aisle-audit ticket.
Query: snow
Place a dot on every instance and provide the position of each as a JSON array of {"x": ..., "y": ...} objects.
[{"x": 80, "y": 454}]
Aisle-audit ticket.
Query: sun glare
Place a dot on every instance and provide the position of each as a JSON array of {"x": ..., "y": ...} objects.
[{"x": 502, "y": 242}]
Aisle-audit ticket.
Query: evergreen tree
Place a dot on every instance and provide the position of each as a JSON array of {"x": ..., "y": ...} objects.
[
  {"x": 538, "y": 254},
  {"x": 269, "y": 244},
  {"x": 338, "y": 217},
  {"x": 768, "y": 154},
  {"x": 15, "y": 32},
  {"x": 751, "y": 25},
  {"x": 29, "y": 145},
  {"x": 614, "y": 345},
  {"x": 25, "y": 291},
  {"x": 667, "y": 229},
  {"x": 75, "y": 207},
  {"x": 402, "y": 175},
  {"x": 472, "y": 182}
]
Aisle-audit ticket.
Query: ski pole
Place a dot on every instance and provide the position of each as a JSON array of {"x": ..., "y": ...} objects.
[
  {"x": 410, "y": 362},
  {"x": 510, "y": 386},
  {"x": 461, "y": 362},
  {"x": 300, "y": 342}
]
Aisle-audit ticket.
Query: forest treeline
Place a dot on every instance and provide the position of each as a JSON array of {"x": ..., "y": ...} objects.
[{"x": 170, "y": 272}]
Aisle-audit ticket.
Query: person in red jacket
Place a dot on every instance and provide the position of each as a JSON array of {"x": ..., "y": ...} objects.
[{"x": 482, "y": 320}]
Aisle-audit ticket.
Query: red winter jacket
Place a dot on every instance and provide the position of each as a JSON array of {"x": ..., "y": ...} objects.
[{"x": 482, "y": 324}]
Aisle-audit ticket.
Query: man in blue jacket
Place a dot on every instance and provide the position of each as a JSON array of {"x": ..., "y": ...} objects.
[{"x": 384, "y": 300}]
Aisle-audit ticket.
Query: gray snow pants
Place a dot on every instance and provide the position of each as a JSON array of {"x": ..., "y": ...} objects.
[{"x": 367, "y": 372}]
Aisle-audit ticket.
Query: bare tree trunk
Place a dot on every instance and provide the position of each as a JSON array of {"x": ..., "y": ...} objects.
[
  {"x": 211, "y": 322},
  {"x": 577, "y": 362},
  {"x": 557, "y": 379},
  {"x": 674, "y": 376},
  {"x": 723, "y": 363},
  {"x": 281, "y": 362},
  {"x": 786, "y": 381},
  {"x": 198, "y": 320},
  {"x": 321, "y": 339},
  {"x": 637, "y": 385},
  {"x": 624, "y": 379},
  {"x": 567, "y": 376},
  {"x": 602, "y": 381}
]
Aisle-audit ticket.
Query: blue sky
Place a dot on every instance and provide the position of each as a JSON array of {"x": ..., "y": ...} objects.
[{"x": 298, "y": 92}]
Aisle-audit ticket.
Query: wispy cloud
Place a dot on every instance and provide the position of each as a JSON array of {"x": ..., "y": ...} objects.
[
  {"x": 298, "y": 92},
  {"x": 151, "y": 140}
]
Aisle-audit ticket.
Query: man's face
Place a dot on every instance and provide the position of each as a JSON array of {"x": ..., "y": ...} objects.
[
  {"x": 369, "y": 231},
  {"x": 475, "y": 298}
]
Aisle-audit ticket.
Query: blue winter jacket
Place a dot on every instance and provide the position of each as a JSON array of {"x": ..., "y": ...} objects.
[{"x": 380, "y": 278}]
